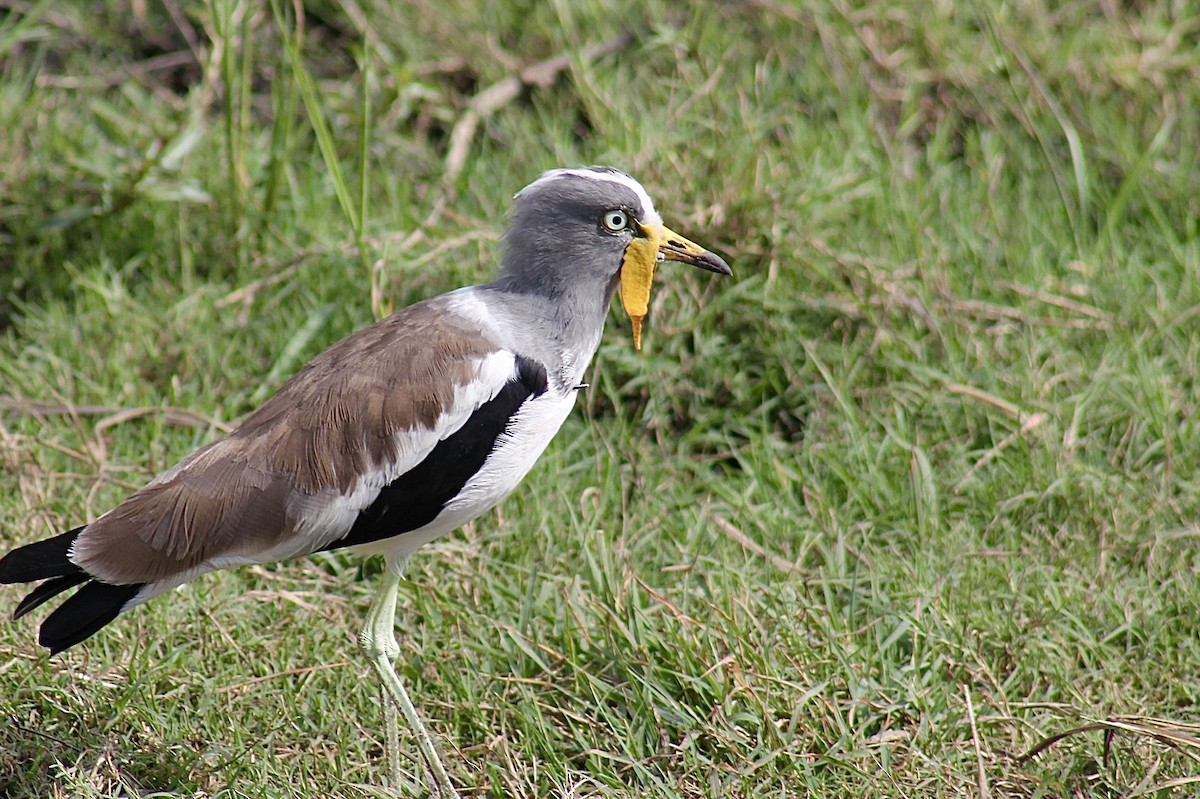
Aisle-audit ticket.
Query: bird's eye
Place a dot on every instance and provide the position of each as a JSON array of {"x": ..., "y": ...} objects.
[{"x": 615, "y": 220}]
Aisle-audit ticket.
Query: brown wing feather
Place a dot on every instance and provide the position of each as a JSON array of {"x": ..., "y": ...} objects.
[{"x": 332, "y": 422}]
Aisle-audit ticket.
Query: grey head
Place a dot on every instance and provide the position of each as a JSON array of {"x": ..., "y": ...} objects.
[
  {"x": 571, "y": 231},
  {"x": 569, "y": 228}
]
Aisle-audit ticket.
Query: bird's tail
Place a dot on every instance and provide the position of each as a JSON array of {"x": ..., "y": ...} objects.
[{"x": 83, "y": 614}]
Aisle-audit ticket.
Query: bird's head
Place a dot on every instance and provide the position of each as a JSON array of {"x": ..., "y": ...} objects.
[{"x": 594, "y": 225}]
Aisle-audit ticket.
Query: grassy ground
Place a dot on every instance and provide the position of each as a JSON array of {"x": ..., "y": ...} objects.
[{"x": 913, "y": 493}]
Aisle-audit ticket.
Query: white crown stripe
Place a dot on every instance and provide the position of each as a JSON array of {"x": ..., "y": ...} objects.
[{"x": 610, "y": 176}]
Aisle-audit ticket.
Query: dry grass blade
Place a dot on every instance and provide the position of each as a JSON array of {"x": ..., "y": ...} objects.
[
  {"x": 113, "y": 415},
  {"x": 980, "y": 772},
  {"x": 1181, "y": 736},
  {"x": 734, "y": 534},
  {"x": 505, "y": 91}
]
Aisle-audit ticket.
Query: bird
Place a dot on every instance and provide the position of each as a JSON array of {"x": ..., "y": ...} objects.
[{"x": 392, "y": 437}]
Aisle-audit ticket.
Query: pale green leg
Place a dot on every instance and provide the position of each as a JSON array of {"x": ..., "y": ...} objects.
[
  {"x": 392, "y": 741},
  {"x": 378, "y": 640}
]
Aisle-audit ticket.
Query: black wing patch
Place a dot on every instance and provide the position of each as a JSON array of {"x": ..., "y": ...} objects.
[{"x": 416, "y": 497}]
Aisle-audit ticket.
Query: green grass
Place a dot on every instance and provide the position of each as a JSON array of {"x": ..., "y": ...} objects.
[{"x": 912, "y": 493}]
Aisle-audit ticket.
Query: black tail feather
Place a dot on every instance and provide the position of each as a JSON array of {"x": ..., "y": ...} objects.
[
  {"x": 81, "y": 616},
  {"x": 40, "y": 560},
  {"x": 47, "y": 590}
]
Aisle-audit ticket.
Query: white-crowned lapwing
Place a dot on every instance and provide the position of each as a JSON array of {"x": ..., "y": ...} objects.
[{"x": 390, "y": 438}]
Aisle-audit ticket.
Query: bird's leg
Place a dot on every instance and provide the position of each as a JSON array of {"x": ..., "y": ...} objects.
[
  {"x": 378, "y": 640},
  {"x": 392, "y": 738}
]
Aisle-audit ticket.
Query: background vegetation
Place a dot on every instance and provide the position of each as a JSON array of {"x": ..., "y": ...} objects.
[{"x": 910, "y": 495}]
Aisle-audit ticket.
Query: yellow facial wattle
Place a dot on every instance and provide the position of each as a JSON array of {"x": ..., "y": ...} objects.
[
  {"x": 656, "y": 243},
  {"x": 637, "y": 275}
]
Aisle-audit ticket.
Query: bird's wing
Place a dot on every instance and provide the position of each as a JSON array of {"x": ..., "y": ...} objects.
[{"x": 306, "y": 470}]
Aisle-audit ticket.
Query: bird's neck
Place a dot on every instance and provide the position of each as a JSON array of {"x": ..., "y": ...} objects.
[{"x": 561, "y": 326}]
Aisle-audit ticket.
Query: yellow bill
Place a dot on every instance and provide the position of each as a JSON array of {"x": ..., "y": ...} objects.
[{"x": 656, "y": 243}]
